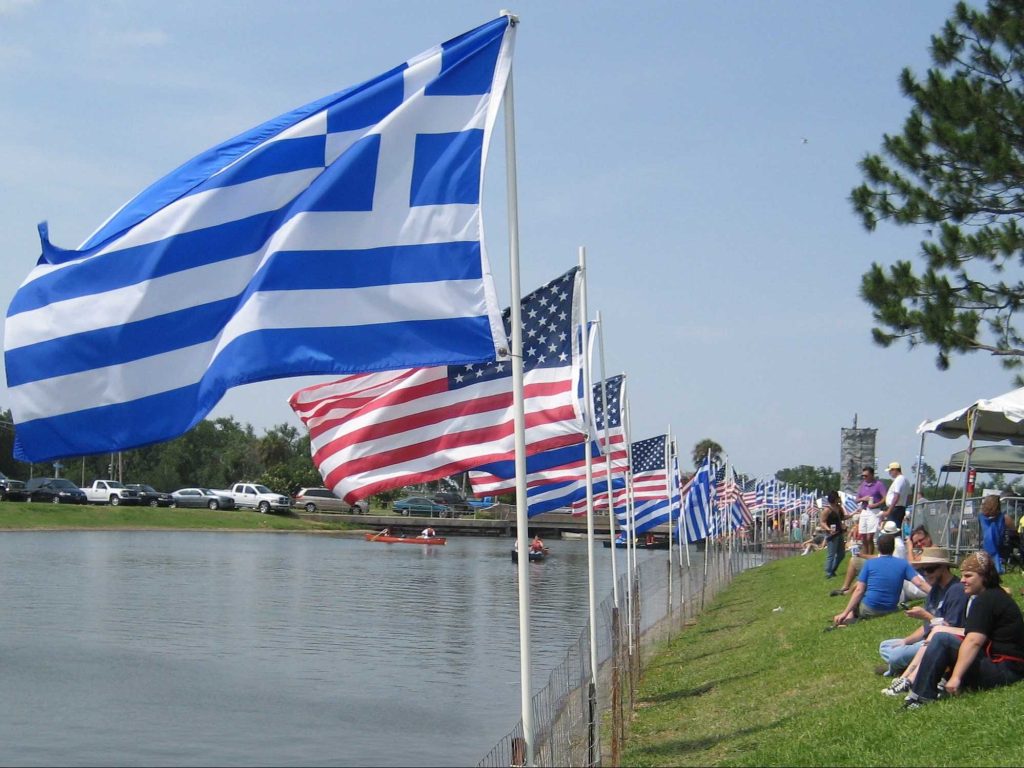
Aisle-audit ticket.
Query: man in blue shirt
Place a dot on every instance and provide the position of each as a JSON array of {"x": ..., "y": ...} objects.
[{"x": 880, "y": 584}]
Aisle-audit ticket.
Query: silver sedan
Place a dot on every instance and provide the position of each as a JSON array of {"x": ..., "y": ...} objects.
[{"x": 201, "y": 497}]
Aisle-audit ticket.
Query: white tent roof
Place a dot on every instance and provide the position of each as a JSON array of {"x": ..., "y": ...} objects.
[{"x": 999, "y": 418}]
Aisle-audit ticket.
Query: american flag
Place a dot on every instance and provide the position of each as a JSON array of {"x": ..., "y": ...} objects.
[
  {"x": 729, "y": 498},
  {"x": 345, "y": 235},
  {"x": 557, "y": 478},
  {"x": 372, "y": 432},
  {"x": 567, "y": 464},
  {"x": 650, "y": 478}
]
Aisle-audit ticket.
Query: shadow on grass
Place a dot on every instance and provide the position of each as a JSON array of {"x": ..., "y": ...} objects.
[
  {"x": 699, "y": 690},
  {"x": 713, "y": 652},
  {"x": 729, "y": 604},
  {"x": 712, "y": 630},
  {"x": 677, "y": 747}
]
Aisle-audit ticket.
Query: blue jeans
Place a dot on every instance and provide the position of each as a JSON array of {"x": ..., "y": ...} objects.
[
  {"x": 897, "y": 655},
  {"x": 836, "y": 553},
  {"x": 941, "y": 654}
]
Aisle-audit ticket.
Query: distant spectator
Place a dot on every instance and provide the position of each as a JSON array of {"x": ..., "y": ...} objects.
[
  {"x": 991, "y": 652},
  {"x": 993, "y": 528},
  {"x": 871, "y": 497},
  {"x": 880, "y": 585},
  {"x": 831, "y": 525},
  {"x": 896, "y": 496}
]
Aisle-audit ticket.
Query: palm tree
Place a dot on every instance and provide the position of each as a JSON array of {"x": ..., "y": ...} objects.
[{"x": 703, "y": 448}]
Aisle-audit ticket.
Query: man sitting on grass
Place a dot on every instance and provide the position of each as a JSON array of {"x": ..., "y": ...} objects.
[
  {"x": 919, "y": 539},
  {"x": 880, "y": 584},
  {"x": 946, "y": 602}
]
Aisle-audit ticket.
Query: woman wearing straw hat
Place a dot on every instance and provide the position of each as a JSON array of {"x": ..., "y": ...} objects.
[{"x": 991, "y": 652}]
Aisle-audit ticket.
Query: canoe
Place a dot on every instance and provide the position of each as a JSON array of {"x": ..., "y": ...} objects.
[
  {"x": 410, "y": 540},
  {"x": 535, "y": 557}
]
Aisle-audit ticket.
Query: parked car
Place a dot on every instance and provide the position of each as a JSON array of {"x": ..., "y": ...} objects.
[
  {"x": 59, "y": 490},
  {"x": 323, "y": 500},
  {"x": 152, "y": 497},
  {"x": 455, "y": 501},
  {"x": 420, "y": 505},
  {"x": 201, "y": 497},
  {"x": 13, "y": 490},
  {"x": 9, "y": 486}
]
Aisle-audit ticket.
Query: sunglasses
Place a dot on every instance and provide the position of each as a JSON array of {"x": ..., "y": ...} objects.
[{"x": 930, "y": 568}]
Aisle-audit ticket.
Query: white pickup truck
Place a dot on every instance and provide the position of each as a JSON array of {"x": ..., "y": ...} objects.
[
  {"x": 111, "y": 492},
  {"x": 258, "y": 497}
]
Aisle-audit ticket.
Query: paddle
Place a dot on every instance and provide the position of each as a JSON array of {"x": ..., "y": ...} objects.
[{"x": 379, "y": 535}]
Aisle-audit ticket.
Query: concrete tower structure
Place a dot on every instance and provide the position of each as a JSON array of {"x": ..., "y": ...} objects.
[{"x": 856, "y": 451}]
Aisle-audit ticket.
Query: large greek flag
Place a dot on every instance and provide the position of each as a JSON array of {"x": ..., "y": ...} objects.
[{"x": 341, "y": 237}]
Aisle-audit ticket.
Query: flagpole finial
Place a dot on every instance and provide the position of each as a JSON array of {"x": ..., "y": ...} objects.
[{"x": 512, "y": 18}]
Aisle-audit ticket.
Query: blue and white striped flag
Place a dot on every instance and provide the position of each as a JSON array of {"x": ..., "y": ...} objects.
[
  {"x": 343, "y": 236},
  {"x": 697, "y": 506}
]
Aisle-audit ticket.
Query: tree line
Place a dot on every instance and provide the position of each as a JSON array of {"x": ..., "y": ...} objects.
[{"x": 214, "y": 454}]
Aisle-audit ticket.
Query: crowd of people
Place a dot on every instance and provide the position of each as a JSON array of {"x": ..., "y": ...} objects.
[{"x": 968, "y": 632}]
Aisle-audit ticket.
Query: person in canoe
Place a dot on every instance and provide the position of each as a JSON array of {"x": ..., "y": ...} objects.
[
  {"x": 537, "y": 545},
  {"x": 428, "y": 533}
]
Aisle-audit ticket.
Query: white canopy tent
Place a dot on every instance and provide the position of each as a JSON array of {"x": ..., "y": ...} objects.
[{"x": 993, "y": 420}]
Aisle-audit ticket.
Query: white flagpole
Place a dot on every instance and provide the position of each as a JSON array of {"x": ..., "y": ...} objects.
[
  {"x": 588, "y": 463},
  {"x": 607, "y": 460},
  {"x": 712, "y": 512},
  {"x": 630, "y": 549},
  {"x": 684, "y": 541},
  {"x": 518, "y": 408},
  {"x": 668, "y": 489}
]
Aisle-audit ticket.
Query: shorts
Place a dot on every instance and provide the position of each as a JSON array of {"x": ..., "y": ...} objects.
[
  {"x": 867, "y": 612},
  {"x": 868, "y": 523}
]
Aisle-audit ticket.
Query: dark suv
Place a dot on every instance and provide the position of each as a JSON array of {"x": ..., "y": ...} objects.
[
  {"x": 59, "y": 490},
  {"x": 454, "y": 501},
  {"x": 11, "y": 489}
]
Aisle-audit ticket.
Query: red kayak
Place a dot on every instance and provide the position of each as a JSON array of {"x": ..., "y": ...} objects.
[{"x": 400, "y": 540}]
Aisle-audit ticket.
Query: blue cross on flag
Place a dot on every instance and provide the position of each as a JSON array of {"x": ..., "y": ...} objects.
[{"x": 344, "y": 236}]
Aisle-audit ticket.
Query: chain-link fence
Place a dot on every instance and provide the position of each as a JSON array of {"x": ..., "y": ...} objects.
[{"x": 662, "y": 597}]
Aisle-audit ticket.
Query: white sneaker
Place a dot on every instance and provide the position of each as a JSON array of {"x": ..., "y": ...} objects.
[{"x": 897, "y": 686}]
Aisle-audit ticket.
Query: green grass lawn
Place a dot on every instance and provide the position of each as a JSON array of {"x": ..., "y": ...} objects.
[
  {"x": 751, "y": 686},
  {"x": 40, "y": 516}
]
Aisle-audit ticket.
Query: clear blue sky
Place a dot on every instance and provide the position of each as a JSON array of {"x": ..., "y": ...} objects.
[{"x": 703, "y": 152}]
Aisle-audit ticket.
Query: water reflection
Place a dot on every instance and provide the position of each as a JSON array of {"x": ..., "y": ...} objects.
[{"x": 125, "y": 648}]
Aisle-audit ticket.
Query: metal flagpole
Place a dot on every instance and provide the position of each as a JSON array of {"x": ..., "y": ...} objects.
[
  {"x": 917, "y": 479},
  {"x": 710, "y": 520},
  {"x": 588, "y": 463},
  {"x": 668, "y": 489},
  {"x": 684, "y": 541},
  {"x": 607, "y": 460},
  {"x": 515, "y": 320},
  {"x": 630, "y": 554}
]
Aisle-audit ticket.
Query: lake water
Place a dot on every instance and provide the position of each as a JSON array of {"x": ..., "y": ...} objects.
[{"x": 159, "y": 648}]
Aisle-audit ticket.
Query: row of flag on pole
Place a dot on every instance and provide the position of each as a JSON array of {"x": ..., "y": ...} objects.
[{"x": 345, "y": 238}]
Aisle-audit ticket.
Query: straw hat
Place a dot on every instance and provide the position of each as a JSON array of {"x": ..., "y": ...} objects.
[{"x": 933, "y": 556}]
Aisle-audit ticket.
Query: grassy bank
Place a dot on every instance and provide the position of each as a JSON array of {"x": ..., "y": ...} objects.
[
  {"x": 39, "y": 516},
  {"x": 751, "y": 685}
]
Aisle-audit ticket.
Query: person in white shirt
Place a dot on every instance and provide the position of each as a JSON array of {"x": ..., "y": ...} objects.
[{"x": 897, "y": 496}]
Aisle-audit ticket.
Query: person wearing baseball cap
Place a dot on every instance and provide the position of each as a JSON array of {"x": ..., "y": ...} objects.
[{"x": 897, "y": 496}]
